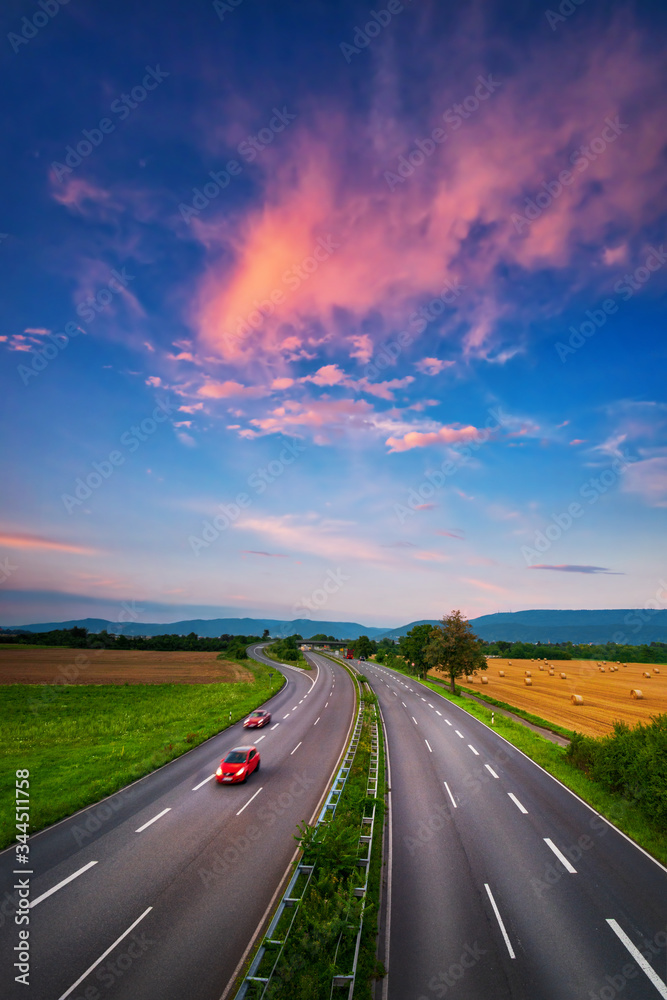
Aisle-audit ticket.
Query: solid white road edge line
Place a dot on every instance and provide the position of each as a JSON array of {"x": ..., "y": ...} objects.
[
  {"x": 155, "y": 818},
  {"x": 517, "y": 803},
  {"x": 69, "y": 878},
  {"x": 500, "y": 921},
  {"x": 558, "y": 782},
  {"x": 451, "y": 796},
  {"x": 107, "y": 952},
  {"x": 660, "y": 986},
  {"x": 390, "y": 851},
  {"x": 561, "y": 857},
  {"x": 203, "y": 782},
  {"x": 296, "y": 748},
  {"x": 249, "y": 801}
]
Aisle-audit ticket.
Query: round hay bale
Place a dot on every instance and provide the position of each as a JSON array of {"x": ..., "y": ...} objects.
[
  {"x": 636, "y": 693},
  {"x": 528, "y": 673},
  {"x": 601, "y": 670},
  {"x": 509, "y": 663},
  {"x": 563, "y": 677},
  {"x": 655, "y": 670},
  {"x": 646, "y": 674},
  {"x": 485, "y": 680},
  {"x": 577, "y": 699},
  {"x": 541, "y": 667},
  {"x": 528, "y": 681},
  {"x": 501, "y": 673},
  {"x": 551, "y": 672},
  {"x": 469, "y": 677}
]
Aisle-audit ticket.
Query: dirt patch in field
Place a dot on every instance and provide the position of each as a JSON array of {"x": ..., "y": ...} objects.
[
  {"x": 110, "y": 666},
  {"x": 606, "y": 695}
]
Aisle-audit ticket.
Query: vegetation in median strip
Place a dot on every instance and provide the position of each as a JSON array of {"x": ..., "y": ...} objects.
[
  {"x": 322, "y": 940},
  {"x": 84, "y": 742}
]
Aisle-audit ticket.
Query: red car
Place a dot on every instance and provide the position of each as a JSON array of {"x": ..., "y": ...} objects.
[
  {"x": 237, "y": 764},
  {"x": 257, "y": 719}
]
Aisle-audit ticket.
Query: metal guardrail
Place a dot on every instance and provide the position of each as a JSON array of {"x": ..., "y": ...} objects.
[
  {"x": 269, "y": 941},
  {"x": 364, "y": 860}
]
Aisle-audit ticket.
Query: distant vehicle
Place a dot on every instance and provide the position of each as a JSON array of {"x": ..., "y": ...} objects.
[
  {"x": 257, "y": 719},
  {"x": 349, "y": 653},
  {"x": 237, "y": 764},
  {"x": 362, "y": 658}
]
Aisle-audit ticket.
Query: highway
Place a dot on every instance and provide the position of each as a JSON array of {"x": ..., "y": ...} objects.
[
  {"x": 157, "y": 892},
  {"x": 502, "y": 883}
]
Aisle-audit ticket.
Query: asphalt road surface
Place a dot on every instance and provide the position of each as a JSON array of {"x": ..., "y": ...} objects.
[
  {"x": 156, "y": 893},
  {"x": 504, "y": 884}
]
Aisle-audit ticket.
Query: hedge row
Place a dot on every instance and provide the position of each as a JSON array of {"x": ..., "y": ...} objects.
[{"x": 631, "y": 762}]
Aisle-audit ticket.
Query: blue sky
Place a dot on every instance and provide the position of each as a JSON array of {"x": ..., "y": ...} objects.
[{"x": 315, "y": 313}]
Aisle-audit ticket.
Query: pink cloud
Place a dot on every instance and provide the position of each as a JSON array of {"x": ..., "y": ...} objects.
[
  {"x": 446, "y": 435},
  {"x": 432, "y": 366},
  {"x": 223, "y": 390},
  {"x": 21, "y": 541}
]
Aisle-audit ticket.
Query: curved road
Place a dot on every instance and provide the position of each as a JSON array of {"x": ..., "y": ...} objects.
[
  {"x": 170, "y": 878},
  {"x": 504, "y": 884}
]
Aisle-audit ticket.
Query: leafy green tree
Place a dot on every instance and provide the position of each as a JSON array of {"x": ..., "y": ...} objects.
[
  {"x": 363, "y": 646},
  {"x": 412, "y": 647},
  {"x": 454, "y": 648},
  {"x": 265, "y": 634}
]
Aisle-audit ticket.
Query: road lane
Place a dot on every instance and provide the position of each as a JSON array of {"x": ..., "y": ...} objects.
[
  {"x": 472, "y": 871},
  {"x": 202, "y": 871}
]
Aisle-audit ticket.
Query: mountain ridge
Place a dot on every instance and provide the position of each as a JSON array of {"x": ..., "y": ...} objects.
[{"x": 624, "y": 625}]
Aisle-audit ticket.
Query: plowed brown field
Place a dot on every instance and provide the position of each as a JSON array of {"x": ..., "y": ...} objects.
[
  {"x": 606, "y": 695},
  {"x": 111, "y": 666}
]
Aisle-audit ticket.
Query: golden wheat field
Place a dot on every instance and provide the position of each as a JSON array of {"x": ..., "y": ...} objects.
[
  {"x": 606, "y": 695},
  {"x": 57, "y": 665}
]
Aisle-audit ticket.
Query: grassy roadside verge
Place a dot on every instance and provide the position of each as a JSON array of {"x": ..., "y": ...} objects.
[
  {"x": 84, "y": 742},
  {"x": 622, "y": 813},
  {"x": 553, "y": 727}
]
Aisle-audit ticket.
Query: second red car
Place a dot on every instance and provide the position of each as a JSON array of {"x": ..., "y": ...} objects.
[{"x": 237, "y": 764}]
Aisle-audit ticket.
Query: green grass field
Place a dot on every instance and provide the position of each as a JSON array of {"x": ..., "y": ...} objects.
[{"x": 83, "y": 742}]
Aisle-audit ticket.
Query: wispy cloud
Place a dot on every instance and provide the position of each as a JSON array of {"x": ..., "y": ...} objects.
[
  {"x": 578, "y": 569},
  {"x": 21, "y": 541}
]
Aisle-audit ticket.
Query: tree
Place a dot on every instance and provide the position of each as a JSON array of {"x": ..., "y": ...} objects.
[
  {"x": 363, "y": 646},
  {"x": 454, "y": 648},
  {"x": 265, "y": 634},
  {"x": 413, "y": 647}
]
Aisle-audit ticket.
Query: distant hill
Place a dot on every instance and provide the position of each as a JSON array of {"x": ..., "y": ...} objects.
[{"x": 624, "y": 626}]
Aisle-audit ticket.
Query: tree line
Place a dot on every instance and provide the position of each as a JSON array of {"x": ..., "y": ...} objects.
[{"x": 80, "y": 638}]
